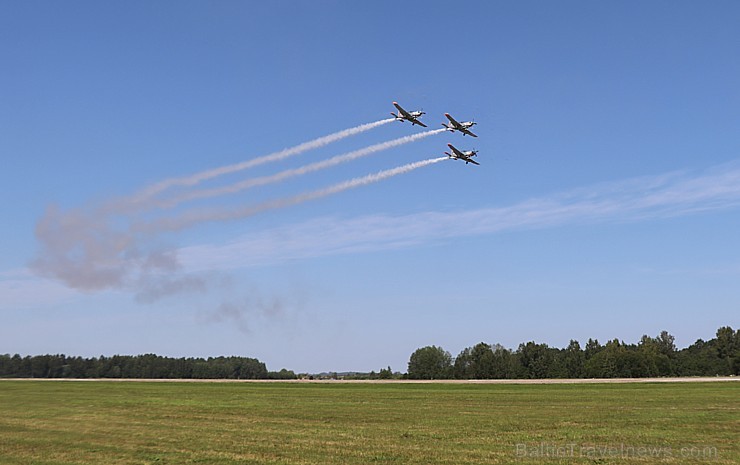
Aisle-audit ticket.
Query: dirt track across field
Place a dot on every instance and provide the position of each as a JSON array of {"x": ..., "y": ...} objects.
[{"x": 705, "y": 379}]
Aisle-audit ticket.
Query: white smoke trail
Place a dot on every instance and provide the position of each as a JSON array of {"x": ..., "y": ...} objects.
[
  {"x": 203, "y": 216},
  {"x": 264, "y": 180},
  {"x": 197, "y": 178}
]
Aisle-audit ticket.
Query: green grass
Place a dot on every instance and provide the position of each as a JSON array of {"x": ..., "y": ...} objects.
[{"x": 62, "y": 422}]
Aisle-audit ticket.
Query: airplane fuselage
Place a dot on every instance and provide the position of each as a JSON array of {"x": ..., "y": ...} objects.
[
  {"x": 466, "y": 156},
  {"x": 410, "y": 116},
  {"x": 455, "y": 125},
  {"x": 459, "y": 126}
]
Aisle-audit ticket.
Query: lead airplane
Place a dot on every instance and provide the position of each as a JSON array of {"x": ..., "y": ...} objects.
[
  {"x": 411, "y": 116},
  {"x": 466, "y": 156},
  {"x": 462, "y": 127}
]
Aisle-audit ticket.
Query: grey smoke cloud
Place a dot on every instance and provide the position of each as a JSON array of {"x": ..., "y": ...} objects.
[
  {"x": 84, "y": 251},
  {"x": 241, "y": 312},
  {"x": 97, "y": 248},
  {"x": 88, "y": 253},
  {"x": 153, "y": 289}
]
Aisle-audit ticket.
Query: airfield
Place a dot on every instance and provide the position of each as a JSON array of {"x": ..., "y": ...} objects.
[
  {"x": 358, "y": 422},
  {"x": 203, "y": 189}
]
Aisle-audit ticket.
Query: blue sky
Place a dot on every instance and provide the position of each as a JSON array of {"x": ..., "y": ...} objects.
[{"x": 607, "y": 203}]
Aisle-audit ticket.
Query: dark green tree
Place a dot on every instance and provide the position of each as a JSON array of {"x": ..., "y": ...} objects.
[
  {"x": 573, "y": 359},
  {"x": 385, "y": 373},
  {"x": 474, "y": 362},
  {"x": 728, "y": 350},
  {"x": 653, "y": 356},
  {"x": 462, "y": 368},
  {"x": 592, "y": 348},
  {"x": 609, "y": 362},
  {"x": 535, "y": 359},
  {"x": 430, "y": 362}
]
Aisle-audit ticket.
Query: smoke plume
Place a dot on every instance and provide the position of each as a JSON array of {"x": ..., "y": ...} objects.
[
  {"x": 194, "y": 179},
  {"x": 283, "y": 175},
  {"x": 91, "y": 249},
  {"x": 211, "y": 215}
]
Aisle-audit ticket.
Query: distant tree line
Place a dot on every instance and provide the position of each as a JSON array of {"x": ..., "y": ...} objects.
[
  {"x": 383, "y": 374},
  {"x": 651, "y": 357},
  {"x": 147, "y": 366}
]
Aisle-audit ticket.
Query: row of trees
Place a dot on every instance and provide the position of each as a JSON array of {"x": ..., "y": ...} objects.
[
  {"x": 147, "y": 366},
  {"x": 651, "y": 357}
]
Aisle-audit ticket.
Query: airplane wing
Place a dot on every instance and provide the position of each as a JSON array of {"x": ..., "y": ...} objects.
[
  {"x": 402, "y": 111},
  {"x": 466, "y": 131},
  {"x": 456, "y": 152},
  {"x": 416, "y": 121},
  {"x": 452, "y": 120},
  {"x": 472, "y": 161}
]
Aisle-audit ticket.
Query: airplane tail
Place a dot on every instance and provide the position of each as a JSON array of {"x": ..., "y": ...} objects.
[
  {"x": 396, "y": 116},
  {"x": 448, "y": 128}
]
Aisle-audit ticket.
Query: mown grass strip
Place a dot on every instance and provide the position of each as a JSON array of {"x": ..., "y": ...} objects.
[{"x": 294, "y": 423}]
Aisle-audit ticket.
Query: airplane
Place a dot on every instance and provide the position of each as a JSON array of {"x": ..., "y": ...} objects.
[
  {"x": 466, "y": 156},
  {"x": 462, "y": 127},
  {"x": 411, "y": 116}
]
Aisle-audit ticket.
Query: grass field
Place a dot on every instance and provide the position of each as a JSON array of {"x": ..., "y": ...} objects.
[{"x": 63, "y": 422}]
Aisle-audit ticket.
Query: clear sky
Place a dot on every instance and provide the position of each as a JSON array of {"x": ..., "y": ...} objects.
[{"x": 607, "y": 203}]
